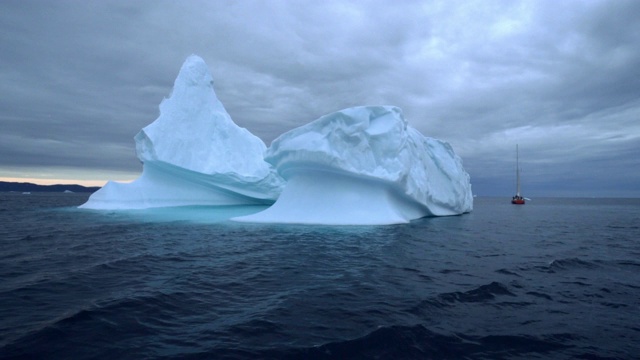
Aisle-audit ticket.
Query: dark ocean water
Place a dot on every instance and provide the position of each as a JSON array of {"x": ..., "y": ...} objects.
[{"x": 554, "y": 279}]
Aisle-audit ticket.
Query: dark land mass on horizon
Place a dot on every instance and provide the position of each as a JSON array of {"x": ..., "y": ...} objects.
[{"x": 6, "y": 186}]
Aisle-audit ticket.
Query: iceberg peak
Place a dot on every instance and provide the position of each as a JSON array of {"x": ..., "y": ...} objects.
[
  {"x": 194, "y": 131},
  {"x": 194, "y": 71},
  {"x": 194, "y": 154}
]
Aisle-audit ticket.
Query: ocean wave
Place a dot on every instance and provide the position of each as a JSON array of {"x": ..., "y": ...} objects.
[
  {"x": 571, "y": 263},
  {"x": 408, "y": 342},
  {"x": 105, "y": 324},
  {"x": 480, "y": 295},
  {"x": 507, "y": 272}
]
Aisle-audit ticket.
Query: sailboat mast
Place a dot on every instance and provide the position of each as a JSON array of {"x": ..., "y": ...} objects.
[
  {"x": 517, "y": 172},
  {"x": 517, "y": 199}
]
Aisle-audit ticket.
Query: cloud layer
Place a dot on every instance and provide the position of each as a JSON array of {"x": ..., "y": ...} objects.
[{"x": 561, "y": 79}]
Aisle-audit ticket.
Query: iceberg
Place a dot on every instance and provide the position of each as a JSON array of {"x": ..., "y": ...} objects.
[
  {"x": 364, "y": 166},
  {"x": 194, "y": 154},
  {"x": 359, "y": 166}
]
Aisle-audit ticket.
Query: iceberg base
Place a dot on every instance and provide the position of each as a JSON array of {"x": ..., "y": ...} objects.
[
  {"x": 164, "y": 185},
  {"x": 338, "y": 198}
]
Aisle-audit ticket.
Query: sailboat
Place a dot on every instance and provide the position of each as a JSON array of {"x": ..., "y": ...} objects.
[{"x": 517, "y": 199}]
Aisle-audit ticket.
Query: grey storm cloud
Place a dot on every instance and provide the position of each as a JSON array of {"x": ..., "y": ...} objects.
[{"x": 78, "y": 79}]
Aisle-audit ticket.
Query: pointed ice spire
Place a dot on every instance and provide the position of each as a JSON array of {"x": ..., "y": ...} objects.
[
  {"x": 195, "y": 132},
  {"x": 194, "y": 154}
]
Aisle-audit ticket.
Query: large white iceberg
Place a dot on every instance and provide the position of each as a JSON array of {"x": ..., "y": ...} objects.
[
  {"x": 194, "y": 154},
  {"x": 364, "y": 165}
]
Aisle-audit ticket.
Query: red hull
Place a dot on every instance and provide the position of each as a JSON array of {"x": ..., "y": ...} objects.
[{"x": 517, "y": 201}]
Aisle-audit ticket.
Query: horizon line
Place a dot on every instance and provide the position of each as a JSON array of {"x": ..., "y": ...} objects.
[{"x": 46, "y": 182}]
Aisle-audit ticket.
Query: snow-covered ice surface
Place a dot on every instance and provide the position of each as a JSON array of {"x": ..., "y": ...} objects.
[
  {"x": 364, "y": 165},
  {"x": 194, "y": 154}
]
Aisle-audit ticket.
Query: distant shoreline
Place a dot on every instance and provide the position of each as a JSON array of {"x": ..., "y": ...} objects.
[{"x": 6, "y": 186}]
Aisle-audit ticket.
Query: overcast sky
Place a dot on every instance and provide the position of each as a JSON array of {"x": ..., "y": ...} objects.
[{"x": 78, "y": 79}]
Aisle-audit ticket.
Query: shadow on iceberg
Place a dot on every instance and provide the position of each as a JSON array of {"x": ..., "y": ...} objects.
[{"x": 165, "y": 185}]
